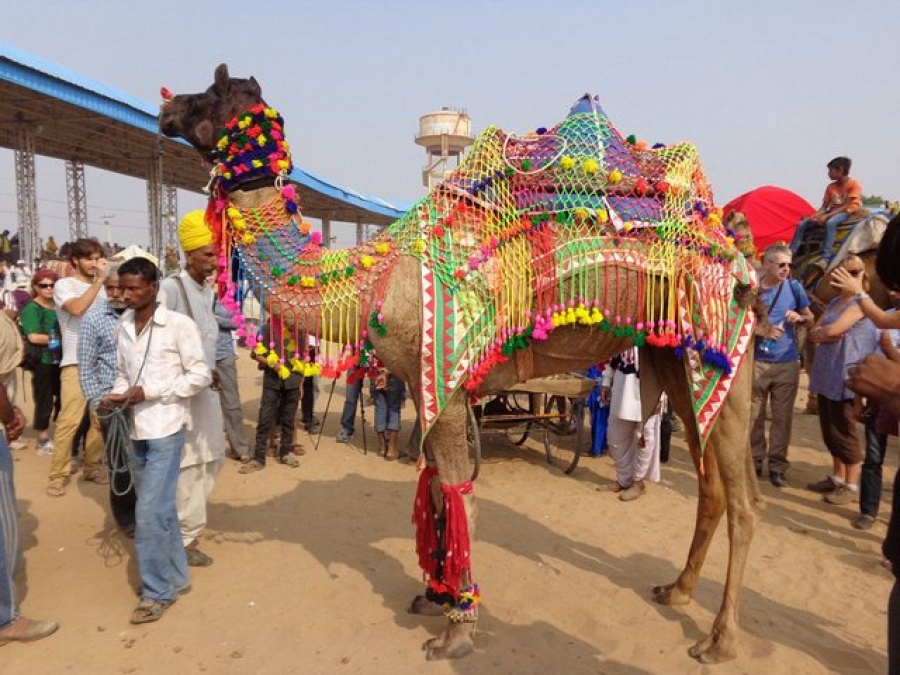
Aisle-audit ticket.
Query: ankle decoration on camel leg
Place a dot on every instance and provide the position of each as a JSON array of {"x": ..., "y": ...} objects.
[{"x": 466, "y": 608}]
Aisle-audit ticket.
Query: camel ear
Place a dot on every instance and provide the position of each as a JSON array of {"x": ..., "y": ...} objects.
[
  {"x": 255, "y": 89},
  {"x": 222, "y": 79}
]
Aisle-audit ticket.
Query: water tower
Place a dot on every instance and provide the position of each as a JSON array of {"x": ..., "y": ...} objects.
[{"x": 445, "y": 135}]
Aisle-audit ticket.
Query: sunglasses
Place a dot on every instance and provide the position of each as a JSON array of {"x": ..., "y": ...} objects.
[
  {"x": 45, "y": 285},
  {"x": 781, "y": 265}
]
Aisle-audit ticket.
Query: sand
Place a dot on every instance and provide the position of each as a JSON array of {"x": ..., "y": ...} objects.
[{"x": 314, "y": 568}]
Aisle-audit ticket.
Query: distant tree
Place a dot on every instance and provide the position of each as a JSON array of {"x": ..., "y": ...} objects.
[{"x": 873, "y": 200}]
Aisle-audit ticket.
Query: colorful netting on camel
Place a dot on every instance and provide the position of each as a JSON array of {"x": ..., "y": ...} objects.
[{"x": 530, "y": 234}]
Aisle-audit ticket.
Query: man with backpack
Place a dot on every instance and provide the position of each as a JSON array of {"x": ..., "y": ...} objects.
[{"x": 776, "y": 374}]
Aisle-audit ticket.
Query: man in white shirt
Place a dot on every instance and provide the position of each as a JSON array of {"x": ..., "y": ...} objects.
[
  {"x": 190, "y": 293},
  {"x": 160, "y": 366},
  {"x": 633, "y": 444},
  {"x": 74, "y": 296}
]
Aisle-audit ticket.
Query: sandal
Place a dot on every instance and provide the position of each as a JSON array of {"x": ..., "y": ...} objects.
[
  {"x": 252, "y": 466},
  {"x": 56, "y": 488},
  {"x": 298, "y": 449},
  {"x": 149, "y": 611},
  {"x": 289, "y": 460}
]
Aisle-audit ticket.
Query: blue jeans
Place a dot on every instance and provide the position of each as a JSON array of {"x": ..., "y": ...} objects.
[
  {"x": 870, "y": 478},
  {"x": 9, "y": 536},
  {"x": 348, "y": 416},
  {"x": 827, "y": 240},
  {"x": 162, "y": 562},
  {"x": 388, "y": 402}
]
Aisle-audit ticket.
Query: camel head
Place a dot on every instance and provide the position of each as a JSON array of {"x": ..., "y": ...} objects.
[{"x": 198, "y": 118}]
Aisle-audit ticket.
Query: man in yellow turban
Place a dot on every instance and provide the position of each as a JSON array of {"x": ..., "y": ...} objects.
[{"x": 191, "y": 292}]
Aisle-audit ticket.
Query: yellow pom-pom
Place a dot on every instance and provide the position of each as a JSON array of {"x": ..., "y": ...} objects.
[
  {"x": 297, "y": 365},
  {"x": 615, "y": 176},
  {"x": 602, "y": 216},
  {"x": 367, "y": 261},
  {"x": 222, "y": 144},
  {"x": 261, "y": 140},
  {"x": 382, "y": 248},
  {"x": 566, "y": 162},
  {"x": 272, "y": 359},
  {"x": 308, "y": 282},
  {"x": 283, "y": 164},
  {"x": 248, "y": 239},
  {"x": 418, "y": 246},
  {"x": 291, "y": 345},
  {"x": 580, "y": 213},
  {"x": 714, "y": 219},
  {"x": 596, "y": 315},
  {"x": 590, "y": 166},
  {"x": 244, "y": 123},
  {"x": 556, "y": 319},
  {"x": 284, "y": 372},
  {"x": 257, "y": 163},
  {"x": 260, "y": 349},
  {"x": 627, "y": 226},
  {"x": 270, "y": 113}
]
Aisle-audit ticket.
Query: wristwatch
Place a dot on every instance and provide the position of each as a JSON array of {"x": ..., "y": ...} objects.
[{"x": 860, "y": 296}]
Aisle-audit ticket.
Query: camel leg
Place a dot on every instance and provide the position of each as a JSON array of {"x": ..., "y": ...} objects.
[
  {"x": 726, "y": 482},
  {"x": 447, "y": 448}
]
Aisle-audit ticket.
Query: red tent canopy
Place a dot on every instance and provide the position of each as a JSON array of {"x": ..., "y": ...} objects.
[{"x": 772, "y": 212}]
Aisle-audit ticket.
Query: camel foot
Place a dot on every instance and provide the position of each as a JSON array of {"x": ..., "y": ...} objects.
[
  {"x": 670, "y": 595},
  {"x": 424, "y": 606},
  {"x": 455, "y": 643},
  {"x": 715, "y": 648}
]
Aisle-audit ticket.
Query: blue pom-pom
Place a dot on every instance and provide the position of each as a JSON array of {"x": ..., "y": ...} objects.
[
  {"x": 290, "y": 206},
  {"x": 542, "y": 130}
]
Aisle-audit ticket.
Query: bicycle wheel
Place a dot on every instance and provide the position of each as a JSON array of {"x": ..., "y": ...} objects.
[
  {"x": 564, "y": 439},
  {"x": 473, "y": 440}
]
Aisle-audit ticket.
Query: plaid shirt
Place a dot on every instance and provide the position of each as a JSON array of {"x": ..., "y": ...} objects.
[{"x": 97, "y": 351}]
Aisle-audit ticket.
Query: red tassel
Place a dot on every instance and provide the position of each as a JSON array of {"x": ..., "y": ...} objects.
[
  {"x": 423, "y": 519},
  {"x": 456, "y": 535}
]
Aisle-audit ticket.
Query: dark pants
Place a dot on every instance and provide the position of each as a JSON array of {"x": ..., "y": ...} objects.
[
  {"x": 870, "y": 480},
  {"x": 348, "y": 416},
  {"x": 894, "y": 629},
  {"x": 276, "y": 406},
  {"x": 308, "y": 400},
  {"x": 122, "y": 496},
  {"x": 45, "y": 388}
]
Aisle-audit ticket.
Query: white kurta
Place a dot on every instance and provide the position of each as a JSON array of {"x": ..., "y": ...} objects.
[{"x": 633, "y": 445}]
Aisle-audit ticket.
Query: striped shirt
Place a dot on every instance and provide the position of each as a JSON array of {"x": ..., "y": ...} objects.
[{"x": 97, "y": 351}]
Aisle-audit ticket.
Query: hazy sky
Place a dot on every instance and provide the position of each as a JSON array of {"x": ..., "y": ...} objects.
[{"x": 769, "y": 90}]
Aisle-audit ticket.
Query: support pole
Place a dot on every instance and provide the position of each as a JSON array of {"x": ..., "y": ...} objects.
[
  {"x": 26, "y": 196},
  {"x": 77, "y": 198},
  {"x": 168, "y": 262},
  {"x": 326, "y": 232}
]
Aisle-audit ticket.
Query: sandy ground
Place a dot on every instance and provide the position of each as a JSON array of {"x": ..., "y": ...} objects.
[{"x": 314, "y": 568}]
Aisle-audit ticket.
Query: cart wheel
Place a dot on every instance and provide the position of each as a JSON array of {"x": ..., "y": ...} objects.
[
  {"x": 521, "y": 403},
  {"x": 563, "y": 442},
  {"x": 473, "y": 440}
]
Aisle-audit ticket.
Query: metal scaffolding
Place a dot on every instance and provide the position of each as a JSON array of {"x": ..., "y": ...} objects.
[
  {"x": 77, "y": 199},
  {"x": 26, "y": 196},
  {"x": 155, "y": 207},
  {"x": 168, "y": 262}
]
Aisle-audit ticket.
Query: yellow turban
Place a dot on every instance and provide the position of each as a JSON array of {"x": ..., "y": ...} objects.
[{"x": 193, "y": 232}]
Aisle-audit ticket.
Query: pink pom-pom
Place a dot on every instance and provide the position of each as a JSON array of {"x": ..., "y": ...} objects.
[
  {"x": 289, "y": 192},
  {"x": 316, "y": 238}
]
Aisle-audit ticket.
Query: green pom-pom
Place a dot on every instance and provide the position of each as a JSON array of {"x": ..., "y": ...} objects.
[
  {"x": 631, "y": 139},
  {"x": 526, "y": 165},
  {"x": 277, "y": 271},
  {"x": 293, "y": 280}
]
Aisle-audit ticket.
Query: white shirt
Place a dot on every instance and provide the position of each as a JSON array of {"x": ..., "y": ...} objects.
[
  {"x": 69, "y": 324},
  {"x": 167, "y": 360}
]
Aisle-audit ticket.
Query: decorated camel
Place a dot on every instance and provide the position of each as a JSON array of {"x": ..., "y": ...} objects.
[{"x": 539, "y": 255}]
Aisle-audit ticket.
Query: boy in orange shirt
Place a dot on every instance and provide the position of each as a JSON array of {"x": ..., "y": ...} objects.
[{"x": 843, "y": 197}]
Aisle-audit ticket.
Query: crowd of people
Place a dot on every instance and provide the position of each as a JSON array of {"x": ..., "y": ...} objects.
[{"x": 139, "y": 375}]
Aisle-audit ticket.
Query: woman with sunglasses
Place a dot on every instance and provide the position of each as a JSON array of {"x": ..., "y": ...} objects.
[
  {"x": 40, "y": 326},
  {"x": 843, "y": 336}
]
